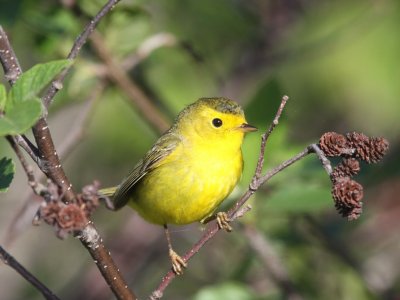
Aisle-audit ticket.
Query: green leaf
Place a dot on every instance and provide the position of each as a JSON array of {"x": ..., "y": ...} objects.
[
  {"x": 20, "y": 117},
  {"x": 3, "y": 97},
  {"x": 7, "y": 170},
  {"x": 31, "y": 82}
]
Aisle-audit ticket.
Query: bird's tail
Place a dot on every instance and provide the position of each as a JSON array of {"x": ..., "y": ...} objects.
[{"x": 108, "y": 192}]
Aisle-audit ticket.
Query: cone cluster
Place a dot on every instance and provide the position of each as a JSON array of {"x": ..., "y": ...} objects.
[{"x": 352, "y": 147}]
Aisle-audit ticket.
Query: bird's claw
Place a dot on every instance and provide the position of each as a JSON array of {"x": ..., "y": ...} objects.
[
  {"x": 177, "y": 262},
  {"x": 223, "y": 221}
]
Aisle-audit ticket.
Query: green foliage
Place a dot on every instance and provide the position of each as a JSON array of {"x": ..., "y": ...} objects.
[
  {"x": 3, "y": 97},
  {"x": 299, "y": 198},
  {"x": 31, "y": 82},
  {"x": 22, "y": 108},
  {"x": 7, "y": 170},
  {"x": 20, "y": 116},
  {"x": 227, "y": 290}
]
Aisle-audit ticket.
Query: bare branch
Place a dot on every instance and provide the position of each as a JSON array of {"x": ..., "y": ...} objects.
[
  {"x": 13, "y": 263},
  {"x": 283, "y": 166},
  {"x": 91, "y": 239},
  {"x": 325, "y": 162},
  {"x": 264, "y": 138},
  {"x": 27, "y": 168},
  {"x": 11, "y": 67},
  {"x": 55, "y": 172}
]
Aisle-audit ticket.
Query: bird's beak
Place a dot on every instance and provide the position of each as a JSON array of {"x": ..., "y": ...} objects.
[{"x": 247, "y": 127}]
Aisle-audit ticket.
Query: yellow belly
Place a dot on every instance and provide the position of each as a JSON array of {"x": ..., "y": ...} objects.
[{"x": 181, "y": 193}]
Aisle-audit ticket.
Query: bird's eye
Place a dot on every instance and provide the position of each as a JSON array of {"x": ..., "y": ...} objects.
[{"x": 217, "y": 122}]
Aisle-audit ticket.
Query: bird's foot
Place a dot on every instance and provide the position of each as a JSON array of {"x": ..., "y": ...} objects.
[
  {"x": 223, "y": 221},
  {"x": 177, "y": 262}
]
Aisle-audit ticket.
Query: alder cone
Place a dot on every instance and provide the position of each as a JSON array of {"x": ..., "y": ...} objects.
[
  {"x": 347, "y": 168},
  {"x": 348, "y": 194},
  {"x": 370, "y": 150},
  {"x": 333, "y": 144}
]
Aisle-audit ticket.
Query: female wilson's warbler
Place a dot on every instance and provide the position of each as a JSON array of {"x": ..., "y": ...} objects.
[{"x": 190, "y": 170}]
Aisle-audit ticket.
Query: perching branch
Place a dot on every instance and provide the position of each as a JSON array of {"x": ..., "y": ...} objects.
[
  {"x": 7, "y": 259},
  {"x": 54, "y": 171}
]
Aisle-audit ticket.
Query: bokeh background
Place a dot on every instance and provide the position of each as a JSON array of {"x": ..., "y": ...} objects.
[{"x": 339, "y": 63}]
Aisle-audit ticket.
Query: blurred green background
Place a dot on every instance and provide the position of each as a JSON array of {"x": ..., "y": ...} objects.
[{"x": 339, "y": 63}]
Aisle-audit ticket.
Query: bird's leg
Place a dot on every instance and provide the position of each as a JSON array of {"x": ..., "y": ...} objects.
[
  {"x": 177, "y": 262},
  {"x": 222, "y": 220}
]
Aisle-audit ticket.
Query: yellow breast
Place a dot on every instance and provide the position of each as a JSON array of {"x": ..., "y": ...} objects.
[{"x": 190, "y": 184}]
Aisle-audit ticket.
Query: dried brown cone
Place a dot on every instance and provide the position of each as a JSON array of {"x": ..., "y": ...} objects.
[
  {"x": 334, "y": 144},
  {"x": 347, "y": 168},
  {"x": 370, "y": 150},
  {"x": 379, "y": 147},
  {"x": 348, "y": 194},
  {"x": 351, "y": 213}
]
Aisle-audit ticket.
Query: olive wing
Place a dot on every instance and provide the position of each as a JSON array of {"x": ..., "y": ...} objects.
[{"x": 165, "y": 145}]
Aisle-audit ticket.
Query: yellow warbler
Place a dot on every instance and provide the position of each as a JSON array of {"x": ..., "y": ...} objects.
[{"x": 190, "y": 170}]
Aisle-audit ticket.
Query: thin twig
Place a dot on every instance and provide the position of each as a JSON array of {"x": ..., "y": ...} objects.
[
  {"x": 91, "y": 239},
  {"x": 326, "y": 164},
  {"x": 27, "y": 167},
  {"x": 264, "y": 138},
  {"x": 13, "y": 263},
  {"x": 11, "y": 67},
  {"x": 283, "y": 165},
  {"x": 79, "y": 42},
  {"x": 29, "y": 148}
]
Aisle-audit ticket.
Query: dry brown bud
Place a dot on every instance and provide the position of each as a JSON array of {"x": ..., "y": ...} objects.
[
  {"x": 71, "y": 217},
  {"x": 49, "y": 212},
  {"x": 347, "y": 168},
  {"x": 334, "y": 144}
]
